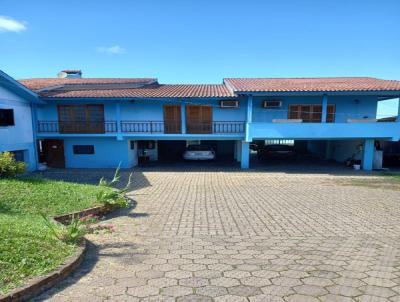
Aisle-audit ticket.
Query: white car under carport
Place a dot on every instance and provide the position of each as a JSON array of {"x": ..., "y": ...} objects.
[{"x": 199, "y": 152}]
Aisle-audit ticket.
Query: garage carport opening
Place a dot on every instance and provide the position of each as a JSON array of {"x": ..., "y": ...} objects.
[
  {"x": 307, "y": 155},
  {"x": 170, "y": 152}
]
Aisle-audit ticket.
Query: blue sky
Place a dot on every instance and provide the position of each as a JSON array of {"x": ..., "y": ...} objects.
[{"x": 188, "y": 41}]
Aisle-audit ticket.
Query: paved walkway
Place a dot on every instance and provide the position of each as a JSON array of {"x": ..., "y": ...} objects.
[{"x": 244, "y": 236}]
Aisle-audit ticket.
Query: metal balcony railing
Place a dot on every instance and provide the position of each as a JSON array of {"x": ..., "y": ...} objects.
[
  {"x": 142, "y": 127},
  {"x": 77, "y": 127},
  {"x": 228, "y": 127},
  {"x": 148, "y": 127}
]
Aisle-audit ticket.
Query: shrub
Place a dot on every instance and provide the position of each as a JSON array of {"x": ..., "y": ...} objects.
[{"x": 9, "y": 167}]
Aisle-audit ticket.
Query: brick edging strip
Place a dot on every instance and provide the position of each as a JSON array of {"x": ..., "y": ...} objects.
[
  {"x": 38, "y": 285},
  {"x": 100, "y": 210}
]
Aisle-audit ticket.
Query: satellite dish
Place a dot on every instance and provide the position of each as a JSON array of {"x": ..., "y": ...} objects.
[{"x": 62, "y": 74}]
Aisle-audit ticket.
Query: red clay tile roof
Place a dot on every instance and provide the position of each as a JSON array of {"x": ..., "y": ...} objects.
[
  {"x": 40, "y": 83},
  {"x": 310, "y": 84},
  {"x": 117, "y": 88},
  {"x": 150, "y": 91}
]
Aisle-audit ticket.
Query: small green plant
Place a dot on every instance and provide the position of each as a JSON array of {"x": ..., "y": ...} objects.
[
  {"x": 72, "y": 233},
  {"x": 115, "y": 197},
  {"x": 9, "y": 167}
]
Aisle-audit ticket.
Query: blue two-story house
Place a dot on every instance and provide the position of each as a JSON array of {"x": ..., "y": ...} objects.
[{"x": 103, "y": 122}]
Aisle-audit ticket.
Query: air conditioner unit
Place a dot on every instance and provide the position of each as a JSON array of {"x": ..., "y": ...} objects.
[
  {"x": 229, "y": 104},
  {"x": 272, "y": 104}
]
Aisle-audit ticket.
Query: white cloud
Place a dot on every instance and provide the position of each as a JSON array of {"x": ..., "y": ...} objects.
[
  {"x": 115, "y": 50},
  {"x": 9, "y": 24}
]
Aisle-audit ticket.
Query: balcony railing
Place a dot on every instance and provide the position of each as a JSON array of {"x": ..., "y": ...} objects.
[
  {"x": 140, "y": 127},
  {"x": 228, "y": 127},
  {"x": 77, "y": 127},
  {"x": 220, "y": 127}
]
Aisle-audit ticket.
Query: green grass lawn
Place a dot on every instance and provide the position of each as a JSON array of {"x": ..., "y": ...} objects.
[
  {"x": 27, "y": 247},
  {"x": 393, "y": 176}
]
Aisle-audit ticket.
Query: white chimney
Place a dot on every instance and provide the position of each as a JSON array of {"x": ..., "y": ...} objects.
[{"x": 70, "y": 74}]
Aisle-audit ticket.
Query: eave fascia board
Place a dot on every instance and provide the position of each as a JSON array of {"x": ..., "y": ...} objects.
[
  {"x": 378, "y": 93},
  {"x": 178, "y": 99},
  {"x": 20, "y": 89}
]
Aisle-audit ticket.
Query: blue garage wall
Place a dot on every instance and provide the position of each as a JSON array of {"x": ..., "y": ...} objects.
[
  {"x": 338, "y": 150},
  {"x": 344, "y": 149},
  {"x": 132, "y": 154},
  {"x": 346, "y": 107},
  {"x": 109, "y": 153},
  {"x": 317, "y": 148}
]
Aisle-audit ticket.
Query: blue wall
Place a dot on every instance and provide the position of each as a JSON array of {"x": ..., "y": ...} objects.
[
  {"x": 109, "y": 152},
  {"x": 20, "y": 136},
  {"x": 145, "y": 110},
  {"x": 152, "y": 110},
  {"x": 338, "y": 150},
  {"x": 346, "y": 107}
]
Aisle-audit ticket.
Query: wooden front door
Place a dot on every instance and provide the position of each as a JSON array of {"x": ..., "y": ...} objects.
[
  {"x": 54, "y": 153},
  {"x": 198, "y": 119},
  {"x": 172, "y": 119}
]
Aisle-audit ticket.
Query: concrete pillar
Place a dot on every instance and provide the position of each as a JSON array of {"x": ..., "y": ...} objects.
[
  {"x": 324, "y": 108},
  {"x": 398, "y": 112},
  {"x": 118, "y": 120},
  {"x": 328, "y": 150},
  {"x": 238, "y": 151},
  {"x": 34, "y": 158},
  {"x": 368, "y": 154},
  {"x": 249, "y": 118},
  {"x": 183, "y": 117},
  {"x": 245, "y": 155}
]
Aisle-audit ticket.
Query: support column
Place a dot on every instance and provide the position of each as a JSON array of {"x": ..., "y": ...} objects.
[
  {"x": 118, "y": 120},
  {"x": 398, "y": 111},
  {"x": 238, "y": 151},
  {"x": 324, "y": 108},
  {"x": 35, "y": 154},
  {"x": 249, "y": 119},
  {"x": 183, "y": 117},
  {"x": 368, "y": 154},
  {"x": 328, "y": 150},
  {"x": 245, "y": 155}
]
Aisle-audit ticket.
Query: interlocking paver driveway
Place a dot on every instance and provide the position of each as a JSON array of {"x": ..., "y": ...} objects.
[{"x": 245, "y": 236}]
